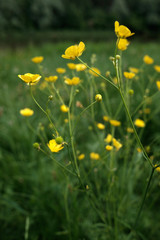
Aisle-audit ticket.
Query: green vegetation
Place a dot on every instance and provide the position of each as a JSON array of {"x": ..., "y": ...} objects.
[{"x": 39, "y": 199}]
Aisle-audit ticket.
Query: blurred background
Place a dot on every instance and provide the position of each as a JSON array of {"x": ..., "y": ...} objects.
[
  {"x": 39, "y": 20},
  {"x": 34, "y": 192}
]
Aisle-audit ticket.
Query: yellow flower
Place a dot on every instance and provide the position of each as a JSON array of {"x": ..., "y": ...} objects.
[
  {"x": 109, "y": 147},
  {"x": 51, "y": 78},
  {"x": 139, "y": 150},
  {"x": 130, "y": 130},
  {"x": 157, "y": 168},
  {"x": 116, "y": 144},
  {"x": 122, "y": 31},
  {"x": 94, "y": 156},
  {"x": 66, "y": 120},
  {"x": 54, "y": 147},
  {"x": 158, "y": 85},
  {"x": 157, "y": 68},
  {"x": 60, "y": 70},
  {"x": 101, "y": 126},
  {"x": 80, "y": 67},
  {"x": 123, "y": 44},
  {"x": 64, "y": 108},
  {"x": 148, "y": 60},
  {"x": 37, "y": 59},
  {"x": 115, "y": 123},
  {"x": 106, "y": 118},
  {"x": 74, "y": 81},
  {"x": 81, "y": 156},
  {"x": 109, "y": 138},
  {"x": 139, "y": 123},
  {"x": 98, "y": 97},
  {"x": 129, "y": 75},
  {"x": 74, "y": 51},
  {"x": 71, "y": 66},
  {"x": 96, "y": 70},
  {"x": 134, "y": 70},
  {"x": 26, "y": 112},
  {"x": 30, "y": 78}
]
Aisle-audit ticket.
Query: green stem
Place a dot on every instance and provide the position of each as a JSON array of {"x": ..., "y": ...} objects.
[
  {"x": 58, "y": 163},
  {"x": 71, "y": 135},
  {"x": 106, "y": 79},
  {"x": 144, "y": 198},
  {"x": 78, "y": 118},
  {"x": 135, "y": 132},
  {"x": 43, "y": 110}
]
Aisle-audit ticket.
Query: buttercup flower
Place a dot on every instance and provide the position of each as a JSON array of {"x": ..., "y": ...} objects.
[
  {"x": 101, "y": 126},
  {"x": 37, "y": 59},
  {"x": 96, "y": 70},
  {"x": 26, "y": 112},
  {"x": 148, "y": 60},
  {"x": 74, "y": 81},
  {"x": 134, "y": 70},
  {"x": 123, "y": 44},
  {"x": 109, "y": 138},
  {"x": 116, "y": 144},
  {"x": 64, "y": 108},
  {"x": 30, "y": 78},
  {"x": 157, "y": 168},
  {"x": 71, "y": 66},
  {"x": 94, "y": 156},
  {"x": 81, "y": 156},
  {"x": 122, "y": 31},
  {"x": 51, "y": 78},
  {"x": 98, "y": 97},
  {"x": 80, "y": 67},
  {"x": 157, "y": 68},
  {"x": 74, "y": 51},
  {"x": 106, "y": 118},
  {"x": 54, "y": 147},
  {"x": 115, "y": 123},
  {"x": 60, "y": 70},
  {"x": 129, "y": 75},
  {"x": 139, "y": 123},
  {"x": 158, "y": 85},
  {"x": 109, "y": 147},
  {"x": 130, "y": 130}
]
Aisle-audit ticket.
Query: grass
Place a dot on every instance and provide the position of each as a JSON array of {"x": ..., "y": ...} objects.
[{"x": 41, "y": 201}]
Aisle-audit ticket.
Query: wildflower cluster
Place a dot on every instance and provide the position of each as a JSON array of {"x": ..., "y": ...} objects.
[{"x": 87, "y": 126}]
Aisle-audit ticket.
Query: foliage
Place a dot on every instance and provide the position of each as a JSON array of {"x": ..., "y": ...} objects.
[{"x": 39, "y": 200}]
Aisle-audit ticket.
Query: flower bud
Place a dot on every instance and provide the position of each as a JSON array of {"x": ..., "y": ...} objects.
[
  {"x": 131, "y": 92},
  {"x": 118, "y": 57},
  {"x": 59, "y": 140},
  {"x": 36, "y": 145},
  {"x": 98, "y": 97},
  {"x": 50, "y": 98}
]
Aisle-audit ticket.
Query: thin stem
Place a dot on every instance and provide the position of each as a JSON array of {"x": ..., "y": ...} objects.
[
  {"x": 43, "y": 110},
  {"x": 78, "y": 118},
  {"x": 144, "y": 198},
  {"x": 71, "y": 135},
  {"x": 58, "y": 163},
  {"x": 106, "y": 79},
  {"x": 135, "y": 132}
]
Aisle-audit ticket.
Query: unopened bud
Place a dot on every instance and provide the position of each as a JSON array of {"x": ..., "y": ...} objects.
[
  {"x": 59, "y": 140},
  {"x": 36, "y": 145},
  {"x": 98, "y": 97},
  {"x": 118, "y": 57},
  {"x": 50, "y": 98},
  {"x": 131, "y": 92}
]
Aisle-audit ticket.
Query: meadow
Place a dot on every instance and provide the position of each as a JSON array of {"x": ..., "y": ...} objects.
[{"x": 42, "y": 194}]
